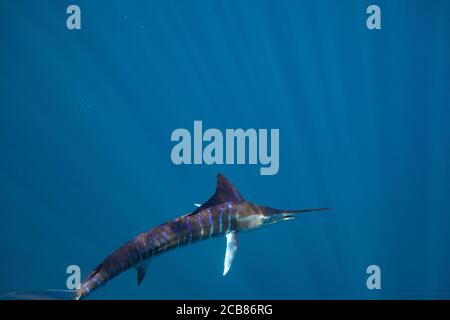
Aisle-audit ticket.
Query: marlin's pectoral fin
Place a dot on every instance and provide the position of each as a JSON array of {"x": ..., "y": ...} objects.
[
  {"x": 141, "y": 271},
  {"x": 232, "y": 245}
]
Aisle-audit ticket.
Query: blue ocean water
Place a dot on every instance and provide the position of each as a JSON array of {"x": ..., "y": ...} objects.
[{"x": 86, "y": 118}]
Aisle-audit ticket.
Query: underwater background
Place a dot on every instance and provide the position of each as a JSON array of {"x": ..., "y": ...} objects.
[{"x": 86, "y": 117}]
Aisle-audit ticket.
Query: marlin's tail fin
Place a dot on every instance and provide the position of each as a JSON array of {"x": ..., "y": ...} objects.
[{"x": 47, "y": 294}]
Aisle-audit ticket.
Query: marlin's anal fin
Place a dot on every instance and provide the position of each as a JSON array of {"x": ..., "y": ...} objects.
[
  {"x": 141, "y": 272},
  {"x": 232, "y": 245}
]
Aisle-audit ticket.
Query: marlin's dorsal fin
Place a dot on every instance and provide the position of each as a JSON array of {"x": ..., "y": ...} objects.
[{"x": 225, "y": 192}]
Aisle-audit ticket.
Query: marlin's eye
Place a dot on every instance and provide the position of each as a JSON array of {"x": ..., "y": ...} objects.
[{"x": 267, "y": 219}]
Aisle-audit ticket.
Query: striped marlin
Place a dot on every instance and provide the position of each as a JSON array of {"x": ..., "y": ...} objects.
[{"x": 226, "y": 213}]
